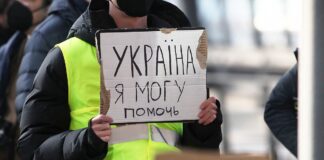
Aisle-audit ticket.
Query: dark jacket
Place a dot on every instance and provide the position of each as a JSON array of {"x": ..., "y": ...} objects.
[
  {"x": 46, "y": 116},
  {"x": 54, "y": 29},
  {"x": 7, "y": 53},
  {"x": 281, "y": 110},
  {"x": 5, "y": 34},
  {"x": 10, "y": 56}
]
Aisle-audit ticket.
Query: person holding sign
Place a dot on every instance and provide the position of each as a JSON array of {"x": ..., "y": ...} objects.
[{"x": 61, "y": 119}]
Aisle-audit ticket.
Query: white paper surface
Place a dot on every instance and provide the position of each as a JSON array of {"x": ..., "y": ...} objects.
[{"x": 152, "y": 76}]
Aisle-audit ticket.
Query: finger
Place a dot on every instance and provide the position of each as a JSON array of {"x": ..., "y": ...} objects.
[
  {"x": 103, "y": 133},
  {"x": 100, "y": 127},
  {"x": 105, "y": 139},
  {"x": 210, "y": 100},
  {"x": 97, "y": 119},
  {"x": 210, "y": 120},
  {"x": 204, "y": 104},
  {"x": 107, "y": 118},
  {"x": 101, "y": 119},
  {"x": 207, "y": 116},
  {"x": 205, "y": 110}
]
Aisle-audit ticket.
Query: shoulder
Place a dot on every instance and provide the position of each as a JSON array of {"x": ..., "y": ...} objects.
[
  {"x": 53, "y": 29},
  {"x": 54, "y": 62},
  {"x": 53, "y": 23},
  {"x": 290, "y": 76},
  {"x": 286, "y": 88},
  {"x": 75, "y": 47}
]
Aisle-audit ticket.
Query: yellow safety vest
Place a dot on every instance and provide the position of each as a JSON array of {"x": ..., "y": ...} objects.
[{"x": 83, "y": 77}]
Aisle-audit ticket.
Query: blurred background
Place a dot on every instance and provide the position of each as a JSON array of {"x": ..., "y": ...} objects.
[{"x": 251, "y": 44}]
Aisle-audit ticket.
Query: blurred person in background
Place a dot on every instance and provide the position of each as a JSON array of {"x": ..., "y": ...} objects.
[
  {"x": 53, "y": 30},
  {"x": 22, "y": 16},
  {"x": 39, "y": 10},
  {"x": 281, "y": 110},
  {"x": 56, "y": 126},
  {"x": 5, "y": 31}
]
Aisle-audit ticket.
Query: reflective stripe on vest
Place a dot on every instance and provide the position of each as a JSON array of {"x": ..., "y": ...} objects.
[{"x": 83, "y": 76}]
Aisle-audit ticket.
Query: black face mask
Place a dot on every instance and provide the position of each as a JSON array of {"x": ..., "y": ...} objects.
[
  {"x": 135, "y": 8},
  {"x": 19, "y": 17}
]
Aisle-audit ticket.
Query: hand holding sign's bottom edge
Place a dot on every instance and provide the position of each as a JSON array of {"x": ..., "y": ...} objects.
[
  {"x": 208, "y": 111},
  {"x": 101, "y": 127}
]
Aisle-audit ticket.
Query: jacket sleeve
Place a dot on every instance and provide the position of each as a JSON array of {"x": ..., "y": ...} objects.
[
  {"x": 45, "y": 119},
  {"x": 51, "y": 31},
  {"x": 8, "y": 58},
  {"x": 281, "y": 112},
  {"x": 203, "y": 137},
  {"x": 35, "y": 51}
]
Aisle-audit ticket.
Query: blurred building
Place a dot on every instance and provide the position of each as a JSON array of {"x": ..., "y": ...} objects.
[{"x": 251, "y": 45}]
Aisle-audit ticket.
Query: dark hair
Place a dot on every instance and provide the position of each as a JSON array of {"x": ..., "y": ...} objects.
[
  {"x": 3, "y": 5},
  {"x": 46, "y": 3}
]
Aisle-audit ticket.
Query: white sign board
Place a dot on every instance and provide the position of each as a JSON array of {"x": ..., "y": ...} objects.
[{"x": 153, "y": 75}]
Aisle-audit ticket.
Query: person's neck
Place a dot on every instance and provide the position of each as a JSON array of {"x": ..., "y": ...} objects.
[
  {"x": 34, "y": 25},
  {"x": 122, "y": 20}
]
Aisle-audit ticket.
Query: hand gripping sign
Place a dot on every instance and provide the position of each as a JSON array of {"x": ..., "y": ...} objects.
[{"x": 152, "y": 75}]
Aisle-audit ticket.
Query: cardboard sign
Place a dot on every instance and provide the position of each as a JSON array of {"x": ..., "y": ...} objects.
[
  {"x": 152, "y": 75},
  {"x": 208, "y": 155}
]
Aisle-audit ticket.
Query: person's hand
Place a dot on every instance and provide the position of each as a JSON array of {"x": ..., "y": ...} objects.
[
  {"x": 101, "y": 127},
  {"x": 208, "y": 111}
]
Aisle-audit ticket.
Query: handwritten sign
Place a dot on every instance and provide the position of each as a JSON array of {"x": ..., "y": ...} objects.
[{"x": 153, "y": 75}]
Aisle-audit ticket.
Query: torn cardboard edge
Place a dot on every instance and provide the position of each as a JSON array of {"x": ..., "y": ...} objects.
[
  {"x": 202, "y": 50},
  {"x": 104, "y": 95},
  {"x": 167, "y": 30}
]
